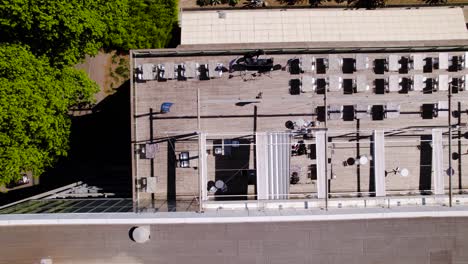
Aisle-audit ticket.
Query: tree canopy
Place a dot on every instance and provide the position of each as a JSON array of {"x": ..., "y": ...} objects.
[
  {"x": 34, "y": 102},
  {"x": 139, "y": 24},
  {"x": 66, "y": 30},
  {"x": 40, "y": 42},
  {"x": 366, "y": 3},
  {"x": 63, "y": 30}
]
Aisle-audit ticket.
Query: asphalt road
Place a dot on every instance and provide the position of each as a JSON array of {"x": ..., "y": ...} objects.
[{"x": 412, "y": 241}]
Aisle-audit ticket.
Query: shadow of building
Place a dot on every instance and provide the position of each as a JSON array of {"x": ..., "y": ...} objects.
[
  {"x": 425, "y": 164},
  {"x": 99, "y": 152},
  {"x": 230, "y": 169}
]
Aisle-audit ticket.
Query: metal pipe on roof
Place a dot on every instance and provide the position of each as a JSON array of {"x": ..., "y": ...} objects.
[
  {"x": 459, "y": 146},
  {"x": 198, "y": 108},
  {"x": 450, "y": 145},
  {"x": 326, "y": 149},
  {"x": 151, "y": 139},
  {"x": 200, "y": 176}
]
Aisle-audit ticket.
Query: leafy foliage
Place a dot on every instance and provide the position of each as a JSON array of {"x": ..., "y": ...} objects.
[
  {"x": 40, "y": 41},
  {"x": 435, "y": 2},
  {"x": 63, "y": 30},
  {"x": 122, "y": 71},
  {"x": 115, "y": 15},
  {"x": 202, "y": 2},
  {"x": 291, "y": 2},
  {"x": 34, "y": 103},
  {"x": 315, "y": 3},
  {"x": 141, "y": 24},
  {"x": 66, "y": 30},
  {"x": 370, "y": 4}
]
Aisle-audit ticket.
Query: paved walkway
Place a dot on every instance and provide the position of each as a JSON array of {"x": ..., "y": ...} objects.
[{"x": 97, "y": 69}]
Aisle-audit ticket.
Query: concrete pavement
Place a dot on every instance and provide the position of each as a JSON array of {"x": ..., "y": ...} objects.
[{"x": 420, "y": 240}]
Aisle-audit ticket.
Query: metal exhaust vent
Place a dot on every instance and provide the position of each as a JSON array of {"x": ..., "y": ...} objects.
[{"x": 221, "y": 14}]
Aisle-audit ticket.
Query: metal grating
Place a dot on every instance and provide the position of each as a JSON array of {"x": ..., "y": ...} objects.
[{"x": 50, "y": 206}]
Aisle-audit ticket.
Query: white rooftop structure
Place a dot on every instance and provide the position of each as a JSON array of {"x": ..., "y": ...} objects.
[
  {"x": 443, "y": 82},
  {"x": 306, "y": 25},
  {"x": 394, "y": 83},
  {"x": 336, "y": 83},
  {"x": 361, "y": 83},
  {"x": 273, "y": 157},
  {"x": 418, "y": 82},
  {"x": 362, "y": 62},
  {"x": 307, "y": 63},
  {"x": 307, "y": 83},
  {"x": 148, "y": 71},
  {"x": 443, "y": 61},
  {"x": 393, "y": 62},
  {"x": 418, "y": 60}
]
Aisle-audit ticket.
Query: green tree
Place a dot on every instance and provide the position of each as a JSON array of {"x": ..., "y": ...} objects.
[
  {"x": 315, "y": 3},
  {"x": 435, "y": 2},
  {"x": 63, "y": 30},
  {"x": 138, "y": 24},
  {"x": 149, "y": 23},
  {"x": 66, "y": 30},
  {"x": 369, "y": 4},
  {"x": 115, "y": 15},
  {"x": 34, "y": 102}
]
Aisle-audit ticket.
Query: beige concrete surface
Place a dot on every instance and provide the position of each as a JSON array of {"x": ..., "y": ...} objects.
[
  {"x": 403, "y": 241},
  {"x": 218, "y": 97},
  {"x": 190, "y": 4},
  {"x": 309, "y": 25}
]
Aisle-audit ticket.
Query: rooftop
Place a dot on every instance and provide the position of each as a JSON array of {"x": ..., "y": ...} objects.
[
  {"x": 240, "y": 106},
  {"x": 321, "y": 25},
  {"x": 421, "y": 240}
]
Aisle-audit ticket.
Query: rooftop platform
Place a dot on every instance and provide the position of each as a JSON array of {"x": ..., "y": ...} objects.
[
  {"x": 321, "y": 25},
  {"x": 238, "y": 106}
]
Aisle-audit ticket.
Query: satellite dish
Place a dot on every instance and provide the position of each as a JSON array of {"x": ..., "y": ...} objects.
[{"x": 404, "y": 172}]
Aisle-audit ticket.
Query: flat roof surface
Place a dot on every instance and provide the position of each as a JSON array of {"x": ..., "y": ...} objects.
[
  {"x": 222, "y": 117},
  {"x": 307, "y": 25},
  {"x": 404, "y": 241}
]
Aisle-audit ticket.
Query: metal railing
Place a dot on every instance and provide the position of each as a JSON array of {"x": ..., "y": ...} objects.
[
  {"x": 312, "y": 202},
  {"x": 328, "y": 6},
  {"x": 273, "y": 51}
]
